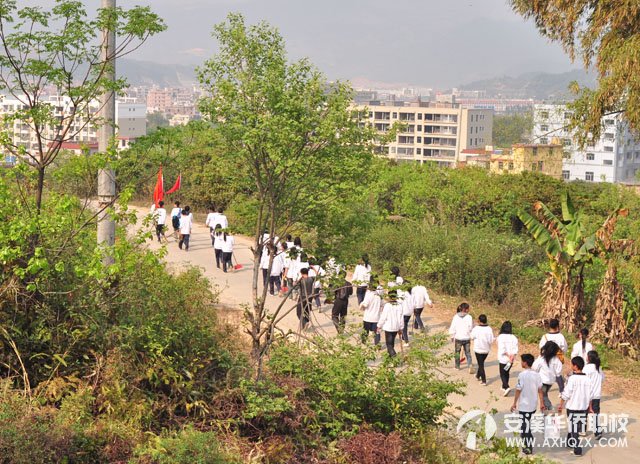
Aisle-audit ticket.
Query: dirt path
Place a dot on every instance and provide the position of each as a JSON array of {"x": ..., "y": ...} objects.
[{"x": 235, "y": 288}]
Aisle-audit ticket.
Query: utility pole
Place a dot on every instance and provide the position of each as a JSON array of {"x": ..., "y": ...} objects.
[{"x": 106, "y": 176}]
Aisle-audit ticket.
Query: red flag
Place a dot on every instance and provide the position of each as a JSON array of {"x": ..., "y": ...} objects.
[
  {"x": 158, "y": 191},
  {"x": 176, "y": 186}
]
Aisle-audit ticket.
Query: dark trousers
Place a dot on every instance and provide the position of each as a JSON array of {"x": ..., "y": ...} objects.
[
  {"x": 265, "y": 277},
  {"x": 545, "y": 396},
  {"x": 361, "y": 291},
  {"x": 316, "y": 296},
  {"x": 226, "y": 261},
  {"x": 405, "y": 329},
  {"x": 390, "y": 341},
  {"x": 274, "y": 281},
  {"x": 576, "y": 423},
  {"x": 417, "y": 320},
  {"x": 218, "y": 253},
  {"x": 213, "y": 237},
  {"x": 303, "y": 309},
  {"x": 481, "y": 374},
  {"x": 595, "y": 405},
  {"x": 466, "y": 345},
  {"x": 525, "y": 429},
  {"x": 560, "y": 380},
  {"x": 160, "y": 231},
  {"x": 370, "y": 327},
  {"x": 184, "y": 240},
  {"x": 339, "y": 314},
  {"x": 504, "y": 376}
]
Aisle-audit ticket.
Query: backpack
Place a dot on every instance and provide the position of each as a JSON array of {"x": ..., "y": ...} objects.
[{"x": 175, "y": 221}]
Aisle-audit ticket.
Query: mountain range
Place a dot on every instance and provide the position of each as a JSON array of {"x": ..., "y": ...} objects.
[{"x": 150, "y": 73}]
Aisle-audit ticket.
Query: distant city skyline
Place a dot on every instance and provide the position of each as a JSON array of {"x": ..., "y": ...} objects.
[{"x": 433, "y": 43}]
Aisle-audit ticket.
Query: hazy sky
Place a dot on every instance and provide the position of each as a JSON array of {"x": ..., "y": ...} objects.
[{"x": 421, "y": 42}]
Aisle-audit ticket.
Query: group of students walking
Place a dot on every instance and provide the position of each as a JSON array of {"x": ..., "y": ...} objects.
[{"x": 580, "y": 395}]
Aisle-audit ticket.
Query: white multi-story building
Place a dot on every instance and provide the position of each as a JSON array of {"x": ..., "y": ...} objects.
[
  {"x": 614, "y": 157},
  {"x": 431, "y": 131}
]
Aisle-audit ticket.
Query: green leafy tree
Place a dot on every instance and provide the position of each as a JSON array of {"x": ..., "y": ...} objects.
[
  {"x": 293, "y": 130},
  {"x": 60, "y": 50},
  {"x": 512, "y": 128},
  {"x": 602, "y": 34},
  {"x": 155, "y": 121}
]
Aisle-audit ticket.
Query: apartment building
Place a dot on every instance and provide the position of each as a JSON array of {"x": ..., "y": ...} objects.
[
  {"x": 614, "y": 157},
  {"x": 545, "y": 159},
  {"x": 435, "y": 132}
]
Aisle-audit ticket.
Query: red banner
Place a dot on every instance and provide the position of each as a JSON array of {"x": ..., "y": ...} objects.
[
  {"x": 176, "y": 186},
  {"x": 158, "y": 191}
]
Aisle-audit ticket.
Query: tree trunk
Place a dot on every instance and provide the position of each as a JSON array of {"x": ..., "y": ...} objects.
[
  {"x": 40, "y": 188},
  {"x": 564, "y": 301},
  {"x": 609, "y": 325}
]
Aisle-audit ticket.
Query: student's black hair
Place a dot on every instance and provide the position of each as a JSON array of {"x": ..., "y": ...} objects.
[
  {"x": 187, "y": 208},
  {"x": 395, "y": 270},
  {"x": 482, "y": 318},
  {"x": 304, "y": 270},
  {"x": 288, "y": 237},
  {"x": 225, "y": 235},
  {"x": 527, "y": 358},
  {"x": 218, "y": 229},
  {"x": 462, "y": 307},
  {"x": 393, "y": 295},
  {"x": 185, "y": 212},
  {"x": 554, "y": 324},
  {"x": 578, "y": 362},
  {"x": 304, "y": 258},
  {"x": 161, "y": 203},
  {"x": 284, "y": 246},
  {"x": 177, "y": 203},
  {"x": 220, "y": 210},
  {"x": 506, "y": 328},
  {"x": 212, "y": 208},
  {"x": 584, "y": 333},
  {"x": 594, "y": 358},
  {"x": 365, "y": 259},
  {"x": 549, "y": 350},
  {"x": 297, "y": 241}
]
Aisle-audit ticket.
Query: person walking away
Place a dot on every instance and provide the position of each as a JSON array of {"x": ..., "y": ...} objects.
[
  {"x": 221, "y": 219},
  {"x": 218, "y": 244},
  {"x": 292, "y": 269},
  {"x": 549, "y": 367},
  {"x": 227, "y": 251},
  {"x": 482, "y": 336},
  {"x": 391, "y": 322},
  {"x": 420, "y": 299},
  {"x": 460, "y": 332},
  {"x": 576, "y": 397},
  {"x": 318, "y": 273},
  {"x": 594, "y": 373},
  {"x": 305, "y": 296},
  {"x": 361, "y": 277},
  {"x": 582, "y": 346},
  {"x": 160, "y": 216},
  {"x": 185, "y": 230},
  {"x": 556, "y": 336},
  {"x": 211, "y": 223},
  {"x": 276, "y": 272},
  {"x": 341, "y": 303},
  {"x": 507, "y": 351},
  {"x": 264, "y": 263},
  {"x": 528, "y": 396},
  {"x": 372, "y": 306},
  {"x": 176, "y": 213},
  {"x": 407, "y": 311}
]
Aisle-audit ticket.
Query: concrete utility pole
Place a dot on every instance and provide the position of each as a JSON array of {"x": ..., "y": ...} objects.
[{"x": 106, "y": 176}]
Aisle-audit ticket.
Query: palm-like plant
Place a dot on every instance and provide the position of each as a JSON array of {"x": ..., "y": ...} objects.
[{"x": 569, "y": 248}]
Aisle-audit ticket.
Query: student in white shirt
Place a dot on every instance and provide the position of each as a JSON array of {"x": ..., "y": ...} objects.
[
  {"x": 276, "y": 271},
  {"x": 391, "y": 322},
  {"x": 211, "y": 222},
  {"x": 218, "y": 240},
  {"x": 549, "y": 367},
  {"x": 185, "y": 230},
  {"x": 507, "y": 351},
  {"x": 460, "y": 331},
  {"x": 264, "y": 263},
  {"x": 528, "y": 396},
  {"x": 594, "y": 373},
  {"x": 420, "y": 299},
  {"x": 407, "y": 312},
  {"x": 482, "y": 336},
  {"x": 371, "y": 305},
  {"x": 318, "y": 273},
  {"x": 227, "y": 251},
  {"x": 160, "y": 216},
  {"x": 292, "y": 268},
  {"x": 576, "y": 397},
  {"x": 556, "y": 336},
  {"x": 582, "y": 346},
  {"x": 176, "y": 212},
  {"x": 361, "y": 277},
  {"x": 221, "y": 219}
]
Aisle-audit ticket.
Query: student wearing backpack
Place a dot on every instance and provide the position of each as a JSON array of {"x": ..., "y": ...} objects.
[
  {"x": 582, "y": 346},
  {"x": 576, "y": 397},
  {"x": 594, "y": 373},
  {"x": 549, "y": 367},
  {"x": 482, "y": 336},
  {"x": 341, "y": 303}
]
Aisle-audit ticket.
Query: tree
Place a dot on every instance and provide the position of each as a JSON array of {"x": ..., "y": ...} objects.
[
  {"x": 294, "y": 131},
  {"x": 604, "y": 35},
  {"x": 60, "y": 50},
  {"x": 569, "y": 248},
  {"x": 512, "y": 128},
  {"x": 156, "y": 121}
]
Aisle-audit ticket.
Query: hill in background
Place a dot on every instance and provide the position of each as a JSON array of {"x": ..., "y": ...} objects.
[{"x": 150, "y": 73}]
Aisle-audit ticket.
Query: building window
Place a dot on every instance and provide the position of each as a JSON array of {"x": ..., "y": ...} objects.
[
  {"x": 534, "y": 150},
  {"x": 534, "y": 166},
  {"x": 470, "y": 141},
  {"x": 544, "y": 114},
  {"x": 609, "y": 149},
  {"x": 567, "y": 115},
  {"x": 500, "y": 165},
  {"x": 590, "y": 157},
  {"x": 588, "y": 176},
  {"x": 419, "y": 151},
  {"x": 510, "y": 166},
  {"x": 544, "y": 140},
  {"x": 629, "y": 154},
  {"x": 540, "y": 166},
  {"x": 544, "y": 127},
  {"x": 419, "y": 115},
  {"x": 566, "y": 142},
  {"x": 607, "y": 162},
  {"x": 566, "y": 175},
  {"x": 395, "y": 115},
  {"x": 419, "y": 140},
  {"x": 608, "y": 122}
]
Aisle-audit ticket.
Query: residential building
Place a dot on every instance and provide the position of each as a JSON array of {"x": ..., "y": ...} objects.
[
  {"x": 614, "y": 157},
  {"x": 546, "y": 159},
  {"x": 435, "y": 132}
]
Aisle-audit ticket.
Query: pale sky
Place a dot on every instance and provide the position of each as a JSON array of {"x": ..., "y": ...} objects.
[{"x": 427, "y": 43}]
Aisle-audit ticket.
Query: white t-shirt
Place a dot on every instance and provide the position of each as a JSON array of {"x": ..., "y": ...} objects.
[
  {"x": 482, "y": 336},
  {"x": 211, "y": 220},
  {"x": 548, "y": 372},
  {"x": 507, "y": 347},
  {"x": 160, "y": 215},
  {"x": 461, "y": 325},
  {"x": 529, "y": 382},
  {"x": 595, "y": 378},
  {"x": 578, "y": 351},
  {"x": 391, "y": 318},
  {"x": 218, "y": 240},
  {"x": 222, "y": 220},
  {"x": 371, "y": 304},
  {"x": 264, "y": 259},
  {"x": 577, "y": 393},
  {"x": 558, "y": 338},
  {"x": 227, "y": 245},
  {"x": 420, "y": 296},
  {"x": 185, "y": 225},
  {"x": 361, "y": 275},
  {"x": 278, "y": 265},
  {"x": 407, "y": 304}
]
